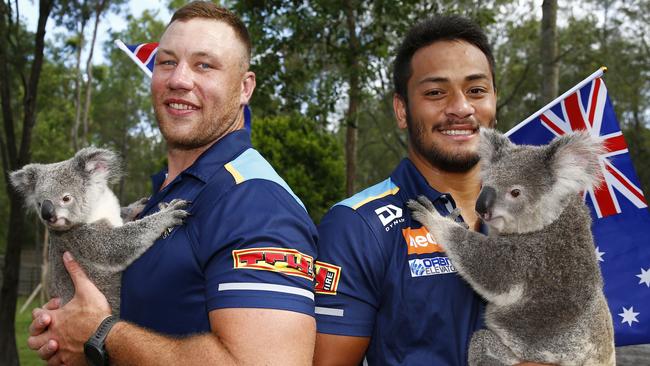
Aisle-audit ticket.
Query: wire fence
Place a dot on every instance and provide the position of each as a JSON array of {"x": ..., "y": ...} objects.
[{"x": 30, "y": 272}]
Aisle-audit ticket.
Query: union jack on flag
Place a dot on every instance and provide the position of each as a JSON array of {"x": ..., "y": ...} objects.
[
  {"x": 144, "y": 55},
  {"x": 621, "y": 220}
]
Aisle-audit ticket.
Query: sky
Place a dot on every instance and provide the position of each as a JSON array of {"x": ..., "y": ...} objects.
[{"x": 29, "y": 13}]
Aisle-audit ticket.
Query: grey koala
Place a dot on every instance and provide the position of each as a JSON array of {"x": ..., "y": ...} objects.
[
  {"x": 537, "y": 268},
  {"x": 83, "y": 216}
]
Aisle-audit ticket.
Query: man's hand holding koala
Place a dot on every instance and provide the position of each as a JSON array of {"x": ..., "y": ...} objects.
[{"x": 87, "y": 304}]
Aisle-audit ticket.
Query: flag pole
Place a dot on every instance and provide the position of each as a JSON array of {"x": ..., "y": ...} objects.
[
  {"x": 598, "y": 73},
  {"x": 126, "y": 50}
]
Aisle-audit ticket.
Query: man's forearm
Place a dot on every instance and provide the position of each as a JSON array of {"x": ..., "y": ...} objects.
[{"x": 128, "y": 344}]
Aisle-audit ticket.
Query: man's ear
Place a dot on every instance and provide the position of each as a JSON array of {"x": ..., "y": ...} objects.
[
  {"x": 248, "y": 86},
  {"x": 399, "y": 107}
]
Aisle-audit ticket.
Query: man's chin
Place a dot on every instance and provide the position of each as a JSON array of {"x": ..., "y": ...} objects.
[
  {"x": 176, "y": 143},
  {"x": 458, "y": 163}
]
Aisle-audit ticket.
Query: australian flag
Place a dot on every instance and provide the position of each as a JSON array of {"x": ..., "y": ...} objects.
[
  {"x": 621, "y": 220},
  {"x": 144, "y": 55}
]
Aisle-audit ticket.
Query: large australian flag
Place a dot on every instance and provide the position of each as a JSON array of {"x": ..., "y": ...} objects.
[
  {"x": 144, "y": 55},
  {"x": 621, "y": 220}
]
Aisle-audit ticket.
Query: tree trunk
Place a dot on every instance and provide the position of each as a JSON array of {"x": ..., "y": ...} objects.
[
  {"x": 354, "y": 76},
  {"x": 15, "y": 236},
  {"x": 10, "y": 273},
  {"x": 548, "y": 50},
  {"x": 99, "y": 9},
  {"x": 78, "y": 83}
]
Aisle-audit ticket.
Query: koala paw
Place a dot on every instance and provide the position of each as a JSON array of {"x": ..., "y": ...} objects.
[
  {"x": 130, "y": 212},
  {"x": 173, "y": 213},
  {"x": 423, "y": 211},
  {"x": 454, "y": 215}
]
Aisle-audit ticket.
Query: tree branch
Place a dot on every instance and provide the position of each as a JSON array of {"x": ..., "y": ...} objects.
[
  {"x": 45, "y": 7},
  {"x": 515, "y": 91}
]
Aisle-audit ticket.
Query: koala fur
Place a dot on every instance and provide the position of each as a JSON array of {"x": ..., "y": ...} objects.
[
  {"x": 83, "y": 216},
  {"x": 537, "y": 268}
]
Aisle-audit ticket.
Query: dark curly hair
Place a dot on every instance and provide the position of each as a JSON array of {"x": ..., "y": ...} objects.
[{"x": 426, "y": 32}]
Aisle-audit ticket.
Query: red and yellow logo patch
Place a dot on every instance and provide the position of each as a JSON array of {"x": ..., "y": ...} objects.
[
  {"x": 327, "y": 278},
  {"x": 283, "y": 260}
]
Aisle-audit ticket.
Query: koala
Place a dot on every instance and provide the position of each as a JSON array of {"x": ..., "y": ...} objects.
[
  {"x": 536, "y": 268},
  {"x": 83, "y": 216}
]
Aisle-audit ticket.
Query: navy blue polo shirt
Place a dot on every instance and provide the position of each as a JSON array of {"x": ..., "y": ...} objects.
[
  {"x": 380, "y": 274},
  {"x": 248, "y": 243}
]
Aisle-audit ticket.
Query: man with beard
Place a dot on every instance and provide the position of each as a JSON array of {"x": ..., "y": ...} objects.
[
  {"x": 384, "y": 288},
  {"x": 233, "y": 285}
]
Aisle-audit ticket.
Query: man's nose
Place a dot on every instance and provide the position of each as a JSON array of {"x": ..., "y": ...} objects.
[
  {"x": 459, "y": 106},
  {"x": 181, "y": 77}
]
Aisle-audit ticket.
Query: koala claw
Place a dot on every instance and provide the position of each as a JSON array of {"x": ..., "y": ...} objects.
[
  {"x": 174, "y": 210},
  {"x": 130, "y": 212},
  {"x": 175, "y": 204},
  {"x": 455, "y": 214},
  {"x": 424, "y": 201},
  {"x": 420, "y": 211}
]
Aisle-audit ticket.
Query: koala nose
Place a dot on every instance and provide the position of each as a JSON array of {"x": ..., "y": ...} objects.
[
  {"x": 47, "y": 210},
  {"x": 485, "y": 202}
]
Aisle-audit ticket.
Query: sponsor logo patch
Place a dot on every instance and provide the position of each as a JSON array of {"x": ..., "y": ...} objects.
[
  {"x": 283, "y": 260},
  {"x": 420, "y": 241},
  {"x": 431, "y": 266},
  {"x": 327, "y": 278},
  {"x": 389, "y": 215}
]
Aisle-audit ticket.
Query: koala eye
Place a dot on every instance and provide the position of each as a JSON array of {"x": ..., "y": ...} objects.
[
  {"x": 67, "y": 198},
  {"x": 515, "y": 192}
]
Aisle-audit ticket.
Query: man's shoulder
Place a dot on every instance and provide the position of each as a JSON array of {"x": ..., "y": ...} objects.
[
  {"x": 377, "y": 206},
  {"x": 250, "y": 170}
]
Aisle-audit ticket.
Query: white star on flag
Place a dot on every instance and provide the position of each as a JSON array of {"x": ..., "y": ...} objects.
[
  {"x": 644, "y": 276},
  {"x": 629, "y": 316},
  {"x": 599, "y": 254}
]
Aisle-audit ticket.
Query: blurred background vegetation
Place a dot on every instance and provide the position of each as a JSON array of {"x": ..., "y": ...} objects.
[{"x": 322, "y": 111}]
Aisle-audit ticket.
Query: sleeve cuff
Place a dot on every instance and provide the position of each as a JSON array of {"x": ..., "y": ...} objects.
[{"x": 263, "y": 296}]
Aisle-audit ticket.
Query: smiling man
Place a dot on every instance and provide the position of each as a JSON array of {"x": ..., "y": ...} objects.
[
  {"x": 385, "y": 290},
  {"x": 233, "y": 285}
]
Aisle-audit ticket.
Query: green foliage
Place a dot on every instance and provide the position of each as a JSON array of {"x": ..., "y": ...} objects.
[
  {"x": 122, "y": 115},
  {"x": 308, "y": 158},
  {"x": 27, "y": 356}
]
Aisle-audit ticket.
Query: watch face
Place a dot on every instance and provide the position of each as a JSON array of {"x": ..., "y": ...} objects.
[{"x": 94, "y": 355}]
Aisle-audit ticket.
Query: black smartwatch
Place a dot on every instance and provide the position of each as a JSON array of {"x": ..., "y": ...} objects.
[{"x": 94, "y": 349}]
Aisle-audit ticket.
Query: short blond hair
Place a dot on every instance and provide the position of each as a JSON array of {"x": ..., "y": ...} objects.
[{"x": 208, "y": 10}]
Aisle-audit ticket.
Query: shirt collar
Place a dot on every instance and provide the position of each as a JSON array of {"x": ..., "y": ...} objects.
[
  {"x": 409, "y": 179},
  {"x": 219, "y": 154}
]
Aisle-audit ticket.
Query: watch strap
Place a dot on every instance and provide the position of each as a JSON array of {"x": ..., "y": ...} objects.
[
  {"x": 96, "y": 341},
  {"x": 102, "y": 331}
]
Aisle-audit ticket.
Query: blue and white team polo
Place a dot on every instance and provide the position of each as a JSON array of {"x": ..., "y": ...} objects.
[
  {"x": 380, "y": 274},
  {"x": 248, "y": 243}
]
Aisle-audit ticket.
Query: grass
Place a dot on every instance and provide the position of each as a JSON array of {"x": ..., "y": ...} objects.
[{"x": 27, "y": 356}]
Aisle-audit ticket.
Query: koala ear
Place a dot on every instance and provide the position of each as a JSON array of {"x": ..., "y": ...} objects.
[
  {"x": 99, "y": 163},
  {"x": 493, "y": 145},
  {"x": 575, "y": 161},
  {"x": 24, "y": 180}
]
